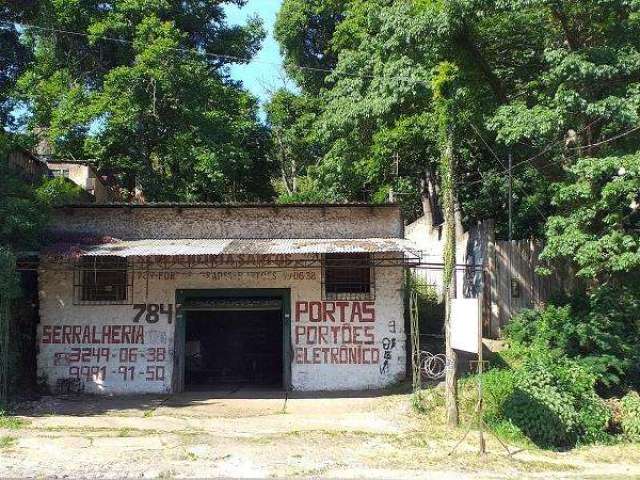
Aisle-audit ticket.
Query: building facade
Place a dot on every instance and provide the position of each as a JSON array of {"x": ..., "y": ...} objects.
[{"x": 159, "y": 299}]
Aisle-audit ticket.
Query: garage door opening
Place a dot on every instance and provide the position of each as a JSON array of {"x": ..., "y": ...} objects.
[{"x": 238, "y": 344}]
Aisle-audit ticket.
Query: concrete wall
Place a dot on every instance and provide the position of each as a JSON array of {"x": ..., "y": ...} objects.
[
  {"x": 69, "y": 355},
  {"x": 141, "y": 222},
  {"x": 471, "y": 254}
]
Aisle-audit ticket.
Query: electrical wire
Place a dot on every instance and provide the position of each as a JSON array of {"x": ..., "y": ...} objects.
[
  {"x": 510, "y": 170},
  {"x": 555, "y": 162},
  {"x": 220, "y": 56}
]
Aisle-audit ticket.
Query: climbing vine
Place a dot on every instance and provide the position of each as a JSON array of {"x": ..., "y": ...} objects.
[{"x": 444, "y": 101}]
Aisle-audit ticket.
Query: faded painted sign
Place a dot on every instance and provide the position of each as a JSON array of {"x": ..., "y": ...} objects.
[{"x": 335, "y": 333}]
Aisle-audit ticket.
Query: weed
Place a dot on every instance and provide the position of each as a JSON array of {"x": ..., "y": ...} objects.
[
  {"x": 10, "y": 422},
  {"x": 7, "y": 442}
]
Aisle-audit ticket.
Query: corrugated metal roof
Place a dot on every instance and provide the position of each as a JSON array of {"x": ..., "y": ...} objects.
[{"x": 144, "y": 248}]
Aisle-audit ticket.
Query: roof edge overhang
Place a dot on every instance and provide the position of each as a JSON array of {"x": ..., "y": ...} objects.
[
  {"x": 226, "y": 205},
  {"x": 218, "y": 247}
]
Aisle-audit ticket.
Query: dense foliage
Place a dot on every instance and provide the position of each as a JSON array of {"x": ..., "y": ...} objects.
[
  {"x": 630, "y": 420},
  {"x": 140, "y": 87},
  {"x": 24, "y": 207},
  {"x": 561, "y": 362},
  {"x": 418, "y": 100},
  {"x": 549, "y": 80},
  {"x": 554, "y": 83}
]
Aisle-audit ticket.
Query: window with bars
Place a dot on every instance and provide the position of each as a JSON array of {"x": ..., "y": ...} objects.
[
  {"x": 348, "y": 277},
  {"x": 103, "y": 279}
]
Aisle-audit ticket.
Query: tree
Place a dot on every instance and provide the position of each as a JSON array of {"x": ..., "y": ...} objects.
[
  {"x": 305, "y": 31},
  {"x": 290, "y": 118},
  {"x": 598, "y": 222},
  {"x": 376, "y": 112},
  {"x": 13, "y": 55},
  {"x": 142, "y": 90}
]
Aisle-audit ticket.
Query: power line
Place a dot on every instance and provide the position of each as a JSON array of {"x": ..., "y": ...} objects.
[
  {"x": 509, "y": 170},
  {"x": 555, "y": 162},
  {"x": 552, "y": 144},
  {"x": 615, "y": 137},
  {"x": 220, "y": 56}
]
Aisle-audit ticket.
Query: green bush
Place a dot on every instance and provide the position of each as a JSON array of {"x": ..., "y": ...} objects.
[
  {"x": 552, "y": 401},
  {"x": 599, "y": 330},
  {"x": 59, "y": 191},
  {"x": 594, "y": 418},
  {"x": 630, "y": 420},
  {"x": 498, "y": 386},
  {"x": 542, "y": 411}
]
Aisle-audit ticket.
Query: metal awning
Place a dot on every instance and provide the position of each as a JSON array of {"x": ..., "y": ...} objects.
[{"x": 189, "y": 247}]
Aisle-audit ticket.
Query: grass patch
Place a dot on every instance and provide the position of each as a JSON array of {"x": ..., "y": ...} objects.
[
  {"x": 11, "y": 422},
  {"x": 167, "y": 475},
  {"x": 7, "y": 441}
]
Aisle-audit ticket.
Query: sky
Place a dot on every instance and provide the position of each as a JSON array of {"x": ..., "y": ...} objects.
[{"x": 264, "y": 72}]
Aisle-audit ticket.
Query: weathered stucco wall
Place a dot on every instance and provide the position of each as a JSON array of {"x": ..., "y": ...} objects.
[
  {"x": 102, "y": 349},
  {"x": 134, "y": 223}
]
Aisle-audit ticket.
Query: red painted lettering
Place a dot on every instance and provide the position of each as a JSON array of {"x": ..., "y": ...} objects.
[
  {"x": 301, "y": 307},
  {"x": 315, "y": 311},
  {"x": 46, "y": 334},
  {"x": 342, "y": 306},
  {"x": 328, "y": 309},
  {"x": 368, "y": 312},
  {"x": 356, "y": 312}
]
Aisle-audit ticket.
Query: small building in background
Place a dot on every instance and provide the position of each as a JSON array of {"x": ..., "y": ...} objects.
[
  {"x": 85, "y": 176},
  {"x": 160, "y": 298},
  {"x": 33, "y": 168}
]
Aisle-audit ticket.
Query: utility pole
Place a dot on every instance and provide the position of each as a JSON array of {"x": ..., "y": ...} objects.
[
  {"x": 444, "y": 85},
  {"x": 396, "y": 169}
]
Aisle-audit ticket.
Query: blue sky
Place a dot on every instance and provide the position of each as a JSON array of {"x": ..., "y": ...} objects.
[{"x": 261, "y": 75}]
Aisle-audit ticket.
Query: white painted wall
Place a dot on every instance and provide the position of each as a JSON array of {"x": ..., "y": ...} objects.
[{"x": 63, "y": 359}]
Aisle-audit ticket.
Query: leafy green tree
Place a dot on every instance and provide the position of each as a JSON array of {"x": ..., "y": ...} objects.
[
  {"x": 144, "y": 90},
  {"x": 305, "y": 30},
  {"x": 376, "y": 122},
  {"x": 598, "y": 225},
  {"x": 14, "y": 57},
  {"x": 295, "y": 149}
]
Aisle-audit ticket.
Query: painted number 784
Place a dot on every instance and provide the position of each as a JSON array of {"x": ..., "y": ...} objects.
[{"x": 152, "y": 311}]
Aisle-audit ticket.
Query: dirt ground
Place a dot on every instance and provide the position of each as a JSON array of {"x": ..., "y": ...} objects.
[{"x": 256, "y": 434}]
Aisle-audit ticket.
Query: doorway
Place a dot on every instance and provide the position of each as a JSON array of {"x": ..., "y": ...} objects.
[
  {"x": 233, "y": 347},
  {"x": 232, "y": 338}
]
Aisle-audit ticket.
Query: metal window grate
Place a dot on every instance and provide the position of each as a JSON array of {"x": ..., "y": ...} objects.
[
  {"x": 102, "y": 280},
  {"x": 348, "y": 277}
]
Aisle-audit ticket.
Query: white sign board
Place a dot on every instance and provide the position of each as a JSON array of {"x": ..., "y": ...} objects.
[{"x": 465, "y": 324}]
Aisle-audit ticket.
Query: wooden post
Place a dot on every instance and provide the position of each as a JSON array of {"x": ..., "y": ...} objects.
[
  {"x": 482, "y": 446},
  {"x": 492, "y": 274}
]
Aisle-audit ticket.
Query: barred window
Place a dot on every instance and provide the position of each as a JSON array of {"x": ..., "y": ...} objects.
[
  {"x": 348, "y": 276},
  {"x": 103, "y": 279}
]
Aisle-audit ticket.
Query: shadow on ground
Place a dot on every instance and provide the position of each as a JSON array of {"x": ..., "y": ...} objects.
[{"x": 234, "y": 396}]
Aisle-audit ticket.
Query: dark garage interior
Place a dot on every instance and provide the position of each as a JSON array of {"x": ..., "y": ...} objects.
[{"x": 234, "y": 346}]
